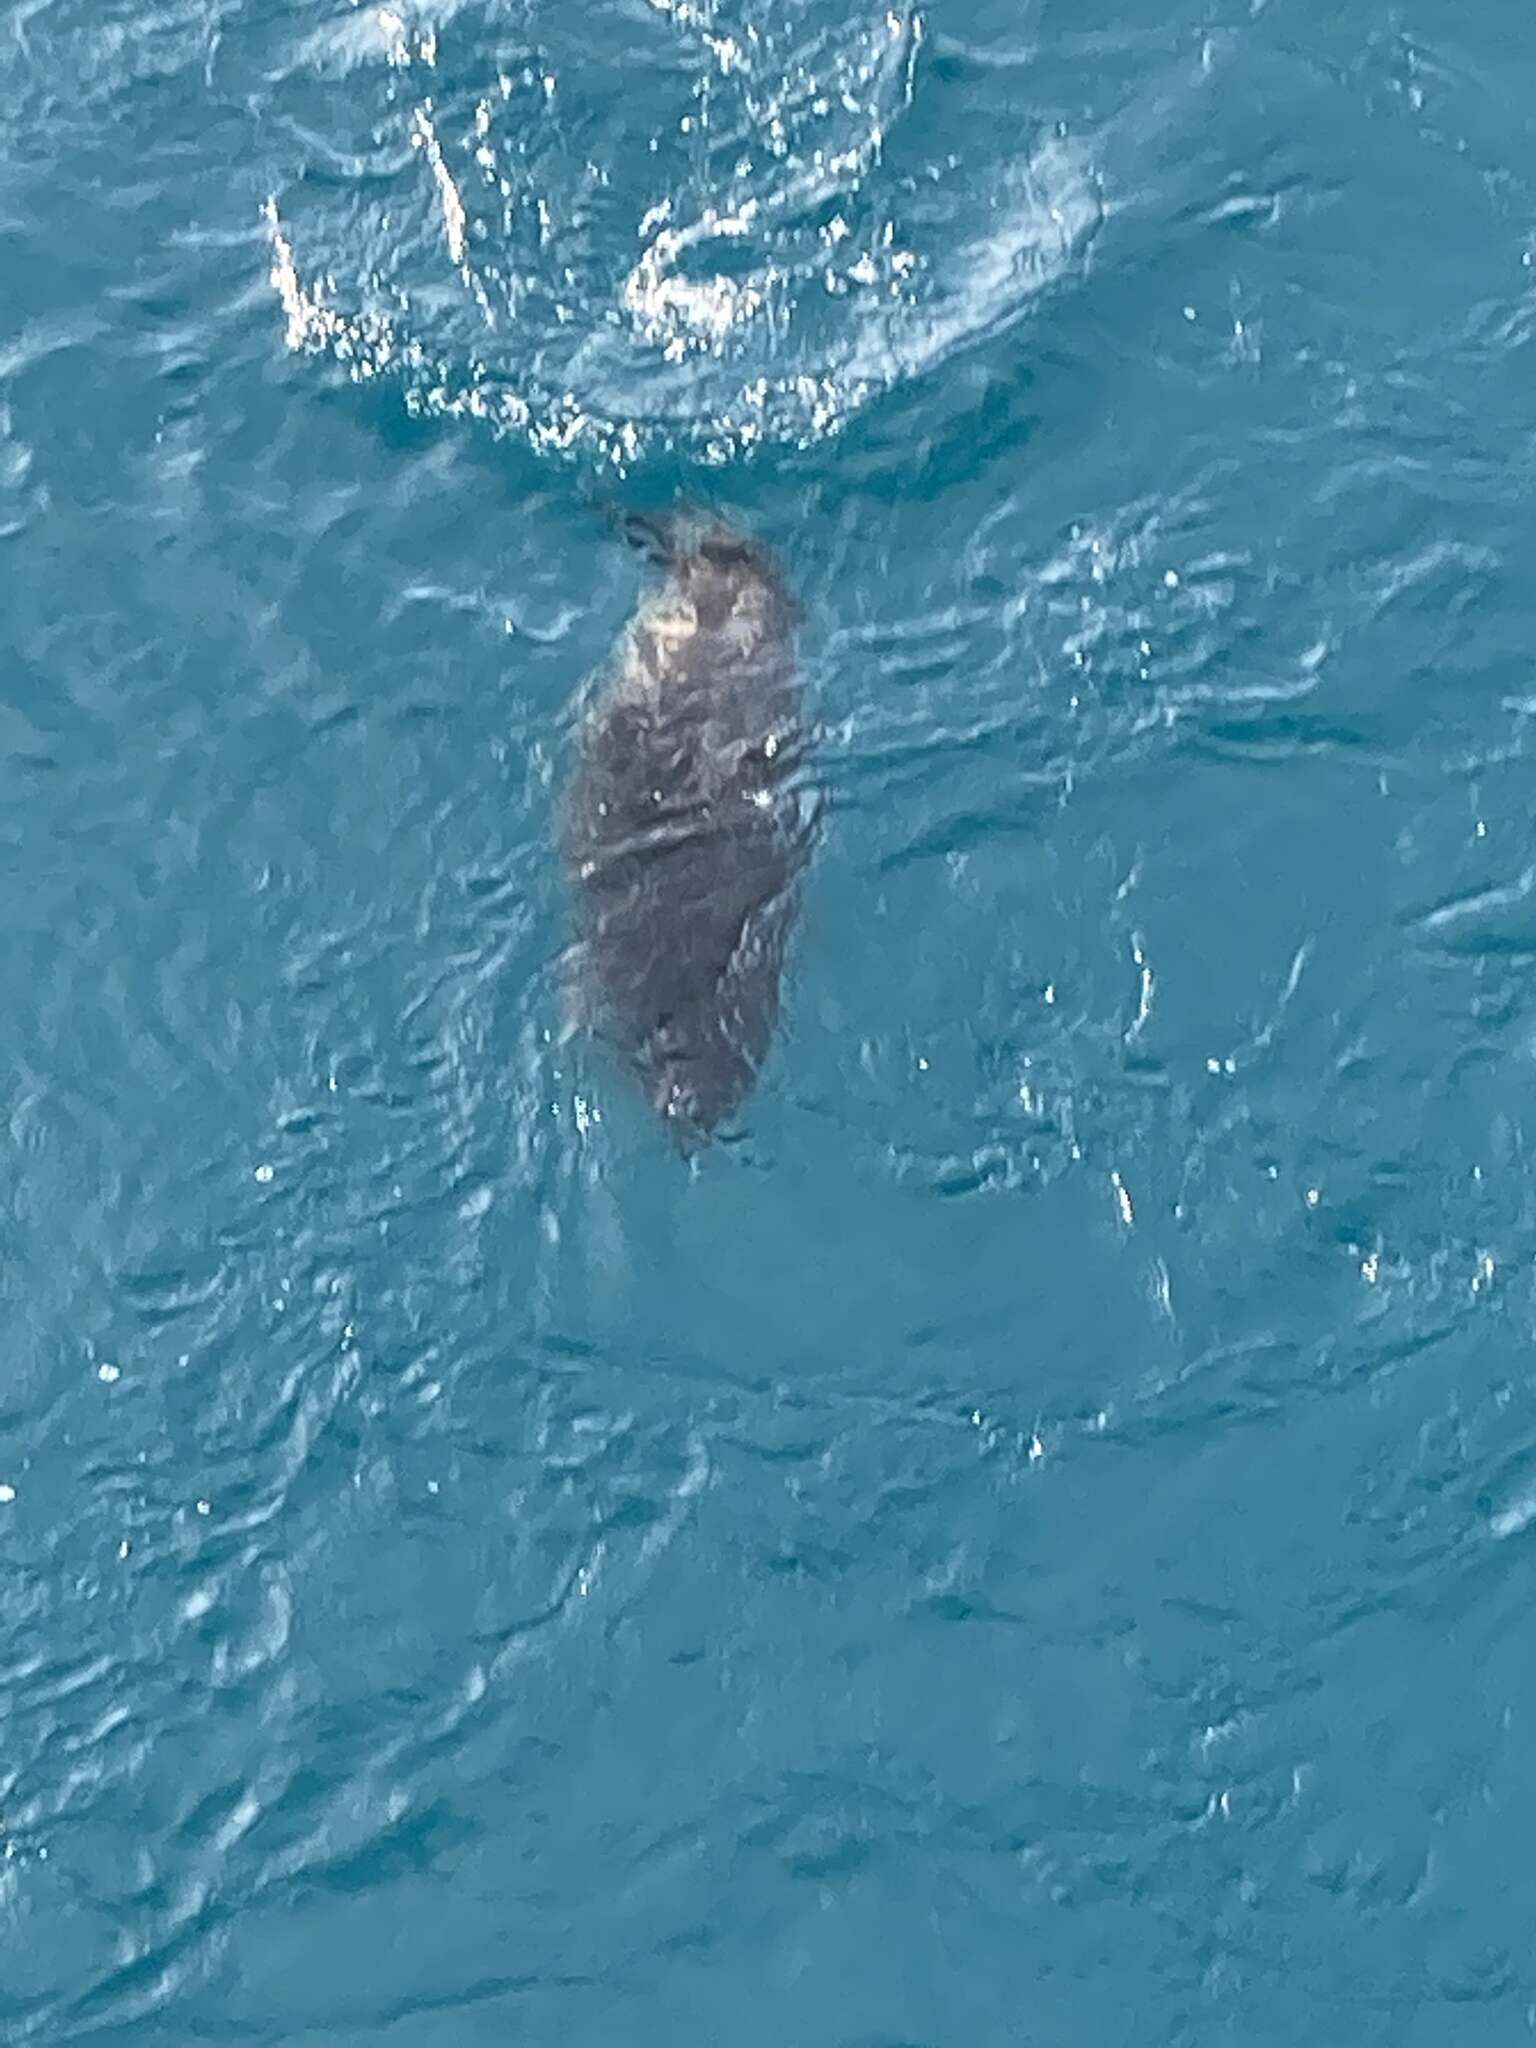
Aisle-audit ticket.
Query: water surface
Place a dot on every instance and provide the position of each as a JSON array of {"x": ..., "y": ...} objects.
[{"x": 1030, "y": 1541}]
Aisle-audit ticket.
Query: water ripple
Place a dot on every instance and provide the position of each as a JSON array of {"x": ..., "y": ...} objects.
[{"x": 795, "y": 253}]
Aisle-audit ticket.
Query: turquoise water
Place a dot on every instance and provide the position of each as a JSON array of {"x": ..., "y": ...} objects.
[{"x": 1027, "y": 1542}]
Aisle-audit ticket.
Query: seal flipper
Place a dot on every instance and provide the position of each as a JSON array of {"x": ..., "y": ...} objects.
[{"x": 577, "y": 1006}]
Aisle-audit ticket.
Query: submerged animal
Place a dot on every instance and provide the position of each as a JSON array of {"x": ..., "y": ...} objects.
[{"x": 683, "y": 833}]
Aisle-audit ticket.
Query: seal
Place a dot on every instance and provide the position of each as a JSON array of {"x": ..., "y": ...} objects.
[{"x": 683, "y": 834}]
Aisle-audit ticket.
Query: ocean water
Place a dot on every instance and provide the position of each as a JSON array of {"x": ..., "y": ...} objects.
[{"x": 1030, "y": 1540}]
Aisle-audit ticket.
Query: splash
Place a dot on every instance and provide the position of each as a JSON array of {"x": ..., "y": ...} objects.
[{"x": 693, "y": 230}]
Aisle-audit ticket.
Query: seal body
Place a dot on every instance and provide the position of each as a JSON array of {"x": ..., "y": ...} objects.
[{"x": 683, "y": 834}]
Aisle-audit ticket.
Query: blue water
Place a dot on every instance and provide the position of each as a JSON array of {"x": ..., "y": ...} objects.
[{"x": 1030, "y": 1541}]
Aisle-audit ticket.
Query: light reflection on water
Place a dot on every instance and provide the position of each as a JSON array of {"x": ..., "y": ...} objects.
[{"x": 793, "y": 250}]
